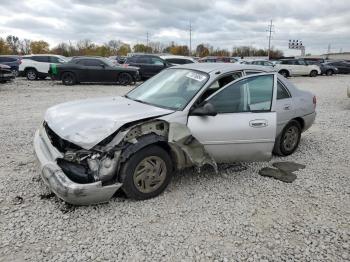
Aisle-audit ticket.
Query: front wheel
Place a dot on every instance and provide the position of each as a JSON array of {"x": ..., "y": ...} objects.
[
  {"x": 31, "y": 74},
  {"x": 147, "y": 173},
  {"x": 68, "y": 79},
  {"x": 125, "y": 79},
  {"x": 284, "y": 73},
  {"x": 288, "y": 140},
  {"x": 313, "y": 73}
]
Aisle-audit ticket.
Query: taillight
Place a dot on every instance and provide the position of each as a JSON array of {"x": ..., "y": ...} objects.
[{"x": 314, "y": 101}]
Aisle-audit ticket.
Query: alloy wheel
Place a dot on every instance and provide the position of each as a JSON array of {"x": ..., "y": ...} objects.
[{"x": 290, "y": 138}]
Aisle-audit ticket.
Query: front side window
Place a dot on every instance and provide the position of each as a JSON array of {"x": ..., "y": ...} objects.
[
  {"x": 172, "y": 88},
  {"x": 248, "y": 95},
  {"x": 92, "y": 62}
]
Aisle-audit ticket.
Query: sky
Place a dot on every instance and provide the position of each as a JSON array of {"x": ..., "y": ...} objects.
[{"x": 220, "y": 23}]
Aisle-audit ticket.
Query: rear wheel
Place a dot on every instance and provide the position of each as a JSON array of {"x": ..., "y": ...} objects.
[
  {"x": 288, "y": 141},
  {"x": 313, "y": 73},
  {"x": 68, "y": 79},
  {"x": 284, "y": 73},
  {"x": 31, "y": 74},
  {"x": 329, "y": 72},
  {"x": 125, "y": 79},
  {"x": 147, "y": 173}
]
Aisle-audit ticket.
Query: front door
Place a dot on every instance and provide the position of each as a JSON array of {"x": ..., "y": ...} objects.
[{"x": 244, "y": 128}]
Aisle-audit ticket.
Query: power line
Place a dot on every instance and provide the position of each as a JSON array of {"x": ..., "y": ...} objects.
[{"x": 270, "y": 30}]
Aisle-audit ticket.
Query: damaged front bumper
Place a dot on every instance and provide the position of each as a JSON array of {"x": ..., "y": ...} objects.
[{"x": 60, "y": 184}]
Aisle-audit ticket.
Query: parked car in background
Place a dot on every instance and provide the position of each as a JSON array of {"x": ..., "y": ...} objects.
[
  {"x": 188, "y": 115},
  {"x": 178, "y": 59},
  {"x": 217, "y": 59},
  {"x": 261, "y": 63},
  {"x": 37, "y": 66},
  {"x": 12, "y": 61},
  {"x": 295, "y": 67},
  {"x": 6, "y": 73},
  {"x": 118, "y": 59},
  {"x": 326, "y": 69},
  {"x": 92, "y": 69},
  {"x": 149, "y": 65},
  {"x": 343, "y": 66}
]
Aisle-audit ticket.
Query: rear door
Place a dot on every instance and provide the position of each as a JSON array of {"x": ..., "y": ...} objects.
[{"x": 245, "y": 127}]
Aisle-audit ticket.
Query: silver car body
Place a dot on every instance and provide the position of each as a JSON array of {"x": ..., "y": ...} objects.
[{"x": 225, "y": 138}]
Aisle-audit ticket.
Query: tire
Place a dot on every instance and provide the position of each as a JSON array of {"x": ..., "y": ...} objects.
[
  {"x": 31, "y": 74},
  {"x": 68, "y": 79},
  {"x": 285, "y": 73},
  {"x": 313, "y": 73},
  {"x": 329, "y": 72},
  {"x": 139, "y": 187},
  {"x": 15, "y": 72},
  {"x": 125, "y": 79},
  {"x": 287, "y": 142}
]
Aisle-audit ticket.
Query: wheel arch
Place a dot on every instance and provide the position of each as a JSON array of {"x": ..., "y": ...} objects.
[
  {"x": 284, "y": 69},
  {"x": 301, "y": 121}
]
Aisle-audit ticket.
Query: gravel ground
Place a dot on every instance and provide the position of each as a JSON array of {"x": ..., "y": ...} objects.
[{"x": 230, "y": 216}]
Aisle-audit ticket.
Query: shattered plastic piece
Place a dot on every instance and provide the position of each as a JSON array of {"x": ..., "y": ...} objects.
[
  {"x": 278, "y": 174},
  {"x": 288, "y": 166},
  {"x": 181, "y": 136}
]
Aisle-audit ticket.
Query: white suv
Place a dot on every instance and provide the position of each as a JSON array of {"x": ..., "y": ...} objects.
[
  {"x": 293, "y": 67},
  {"x": 37, "y": 66}
]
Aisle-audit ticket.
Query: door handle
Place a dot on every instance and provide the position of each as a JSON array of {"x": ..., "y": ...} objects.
[
  {"x": 286, "y": 107},
  {"x": 258, "y": 123}
]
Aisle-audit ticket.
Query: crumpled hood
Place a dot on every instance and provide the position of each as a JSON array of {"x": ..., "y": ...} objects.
[{"x": 87, "y": 122}]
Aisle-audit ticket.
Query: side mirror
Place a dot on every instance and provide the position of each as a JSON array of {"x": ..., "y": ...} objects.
[{"x": 205, "y": 110}]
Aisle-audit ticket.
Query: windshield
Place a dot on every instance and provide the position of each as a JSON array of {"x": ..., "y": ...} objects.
[{"x": 172, "y": 88}]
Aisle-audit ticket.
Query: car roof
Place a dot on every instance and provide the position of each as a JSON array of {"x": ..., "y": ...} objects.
[
  {"x": 176, "y": 56},
  {"x": 222, "y": 67}
]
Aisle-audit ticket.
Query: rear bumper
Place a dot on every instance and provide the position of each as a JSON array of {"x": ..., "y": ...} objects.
[
  {"x": 309, "y": 120},
  {"x": 60, "y": 184}
]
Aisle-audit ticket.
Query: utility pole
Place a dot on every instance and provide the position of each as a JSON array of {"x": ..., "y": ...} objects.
[
  {"x": 190, "y": 51},
  {"x": 270, "y": 30},
  {"x": 147, "y": 40}
]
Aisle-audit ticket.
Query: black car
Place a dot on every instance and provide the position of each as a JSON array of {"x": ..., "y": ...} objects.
[
  {"x": 6, "y": 73},
  {"x": 149, "y": 65},
  {"x": 326, "y": 69},
  {"x": 343, "y": 67},
  {"x": 92, "y": 70},
  {"x": 12, "y": 61}
]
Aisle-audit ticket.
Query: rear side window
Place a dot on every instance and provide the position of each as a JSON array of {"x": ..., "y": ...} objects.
[
  {"x": 44, "y": 59},
  {"x": 143, "y": 60},
  {"x": 7, "y": 59},
  {"x": 90, "y": 62},
  {"x": 282, "y": 92}
]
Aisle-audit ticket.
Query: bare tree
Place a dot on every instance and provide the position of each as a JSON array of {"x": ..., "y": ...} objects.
[
  {"x": 24, "y": 46},
  {"x": 13, "y": 43}
]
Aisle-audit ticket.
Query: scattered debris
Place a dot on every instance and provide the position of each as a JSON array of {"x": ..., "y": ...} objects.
[
  {"x": 18, "y": 200},
  {"x": 288, "y": 166},
  {"x": 66, "y": 207},
  {"x": 281, "y": 175},
  {"x": 283, "y": 171},
  {"x": 47, "y": 196}
]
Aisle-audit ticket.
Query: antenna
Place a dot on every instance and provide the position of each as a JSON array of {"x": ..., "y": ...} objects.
[{"x": 270, "y": 30}]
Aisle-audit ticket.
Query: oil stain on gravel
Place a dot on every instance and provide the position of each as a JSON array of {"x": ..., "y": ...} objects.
[{"x": 283, "y": 171}]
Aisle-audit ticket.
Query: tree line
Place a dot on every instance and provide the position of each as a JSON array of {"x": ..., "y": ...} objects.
[{"x": 12, "y": 45}]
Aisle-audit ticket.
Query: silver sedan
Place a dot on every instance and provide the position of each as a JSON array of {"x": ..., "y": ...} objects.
[{"x": 189, "y": 115}]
